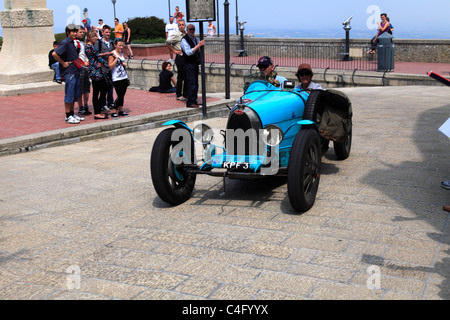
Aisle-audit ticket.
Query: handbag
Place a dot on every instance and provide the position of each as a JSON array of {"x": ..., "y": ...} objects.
[{"x": 108, "y": 82}]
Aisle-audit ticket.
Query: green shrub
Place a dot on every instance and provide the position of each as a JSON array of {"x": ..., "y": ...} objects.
[
  {"x": 147, "y": 28},
  {"x": 60, "y": 36},
  {"x": 148, "y": 41},
  {"x": 143, "y": 30}
]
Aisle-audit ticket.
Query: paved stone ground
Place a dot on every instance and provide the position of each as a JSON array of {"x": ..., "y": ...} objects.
[{"x": 83, "y": 221}]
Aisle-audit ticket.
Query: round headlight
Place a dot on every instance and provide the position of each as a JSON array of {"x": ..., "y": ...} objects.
[
  {"x": 203, "y": 133},
  {"x": 272, "y": 135}
]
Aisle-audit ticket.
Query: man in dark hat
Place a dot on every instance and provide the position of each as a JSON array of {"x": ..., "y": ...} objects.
[
  {"x": 265, "y": 66},
  {"x": 191, "y": 46},
  {"x": 304, "y": 75}
]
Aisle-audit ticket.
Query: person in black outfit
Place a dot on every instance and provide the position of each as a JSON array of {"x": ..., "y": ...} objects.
[
  {"x": 191, "y": 52},
  {"x": 104, "y": 46},
  {"x": 166, "y": 79},
  {"x": 53, "y": 64}
]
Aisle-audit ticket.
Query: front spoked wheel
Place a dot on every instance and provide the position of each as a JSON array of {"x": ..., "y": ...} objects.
[
  {"x": 172, "y": 180},
  {"x": 303, "y": 170}
]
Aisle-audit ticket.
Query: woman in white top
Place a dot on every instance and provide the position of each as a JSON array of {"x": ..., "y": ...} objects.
[
  {"x": 119, "y": 77},
  {"x": 211, "y": 29}
]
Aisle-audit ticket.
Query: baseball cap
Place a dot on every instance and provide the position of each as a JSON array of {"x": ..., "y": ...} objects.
[
  {"x": 305, "y": 66},
  {"x": 264, "y": 61},
  {"x": 84, "y": 20},
  {"x": 72, "y": 27}
]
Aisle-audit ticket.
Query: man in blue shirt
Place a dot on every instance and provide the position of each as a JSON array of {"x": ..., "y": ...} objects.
[
  {"x": 65, "y": 54},
  {"x": 267, "y": 69},
  {"x": 191, "y": 53}
]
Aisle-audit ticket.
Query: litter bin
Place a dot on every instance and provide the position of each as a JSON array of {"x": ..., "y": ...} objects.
[{"x": 385, "y": 52}]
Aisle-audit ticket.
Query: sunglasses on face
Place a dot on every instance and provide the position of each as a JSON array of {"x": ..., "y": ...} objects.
[
  {"x": 305, "y": 73},
  {"x": 191, "y": 29},
  {"x": 262, "y": 68}
]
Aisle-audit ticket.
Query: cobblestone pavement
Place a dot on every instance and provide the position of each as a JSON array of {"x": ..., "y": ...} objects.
[{"x": 82, "y": 221}]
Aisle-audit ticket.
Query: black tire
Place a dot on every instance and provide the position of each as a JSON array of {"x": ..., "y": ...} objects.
[
  {"x": 342, "y": 149},
  {"x": 303, "y": 170},
  {"x": 312, "y": 106},
  {"x": 173, "y": 183}
]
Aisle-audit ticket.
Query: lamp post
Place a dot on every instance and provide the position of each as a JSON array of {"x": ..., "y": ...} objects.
[
  {"x": 169, "y": 9},
  {"x": 237, "y": 19},
  {"x": 114, "y": 5},
  {"x": 227, "y": 48},
  {"x": 218, "y": 19}
]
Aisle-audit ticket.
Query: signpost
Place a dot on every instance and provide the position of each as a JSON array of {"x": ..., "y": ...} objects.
[{"x": 201, "y": 11}]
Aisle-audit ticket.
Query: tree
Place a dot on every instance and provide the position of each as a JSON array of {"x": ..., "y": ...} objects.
[{"x": 147, "y": 28}]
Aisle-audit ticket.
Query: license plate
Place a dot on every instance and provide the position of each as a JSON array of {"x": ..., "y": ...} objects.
[{"x": 236, "y": 165}]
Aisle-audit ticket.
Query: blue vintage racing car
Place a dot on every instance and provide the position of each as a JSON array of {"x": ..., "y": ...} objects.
[{"x": 271, "y": 131}]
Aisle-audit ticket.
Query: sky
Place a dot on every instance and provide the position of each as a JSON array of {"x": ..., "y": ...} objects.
[{"x": 413, "y": 19}]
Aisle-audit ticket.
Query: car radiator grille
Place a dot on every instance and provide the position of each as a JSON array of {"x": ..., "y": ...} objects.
[{"x": 243, "y": 128}]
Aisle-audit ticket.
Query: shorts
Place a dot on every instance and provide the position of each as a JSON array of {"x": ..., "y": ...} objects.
[
  {"x": 72, "y": 89},
  {"x": 85, "y": 83}
]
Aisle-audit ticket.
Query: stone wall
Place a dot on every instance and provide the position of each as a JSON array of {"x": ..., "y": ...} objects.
[{"x": 144, "y": 75}]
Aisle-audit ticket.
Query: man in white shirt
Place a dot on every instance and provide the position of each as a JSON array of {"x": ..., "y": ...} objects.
[
  {"x": 171, "y": 28},
  {"x": 99, "y": 28},
  {"x": 173, "y": 43}
]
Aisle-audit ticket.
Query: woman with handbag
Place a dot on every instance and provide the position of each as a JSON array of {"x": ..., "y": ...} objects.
[
  {"x": 100, "y": 82},
  {"x": 119, "y": 77}
]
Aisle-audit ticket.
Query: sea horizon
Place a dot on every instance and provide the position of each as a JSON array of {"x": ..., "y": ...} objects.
[{"x": 333, "y": 33}]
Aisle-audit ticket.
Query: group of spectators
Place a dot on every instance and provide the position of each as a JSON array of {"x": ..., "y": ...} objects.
[
  {"x": 185, "y": 47},
  {"x": 98, "y": 60}
]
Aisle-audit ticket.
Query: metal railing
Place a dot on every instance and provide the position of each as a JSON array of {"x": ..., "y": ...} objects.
[{"x": 333, "y": 56}]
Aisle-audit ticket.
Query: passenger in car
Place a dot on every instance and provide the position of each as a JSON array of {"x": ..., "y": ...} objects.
[
  {"x": 265, "y": 66},
  {"x": 305, "y": 75}
]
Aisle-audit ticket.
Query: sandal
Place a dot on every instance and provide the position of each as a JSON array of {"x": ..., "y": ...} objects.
[{"x": 101, "y": 118}]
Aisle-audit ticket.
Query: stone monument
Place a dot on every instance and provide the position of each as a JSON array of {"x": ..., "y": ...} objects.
[{"x": 27, "y": 39}]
